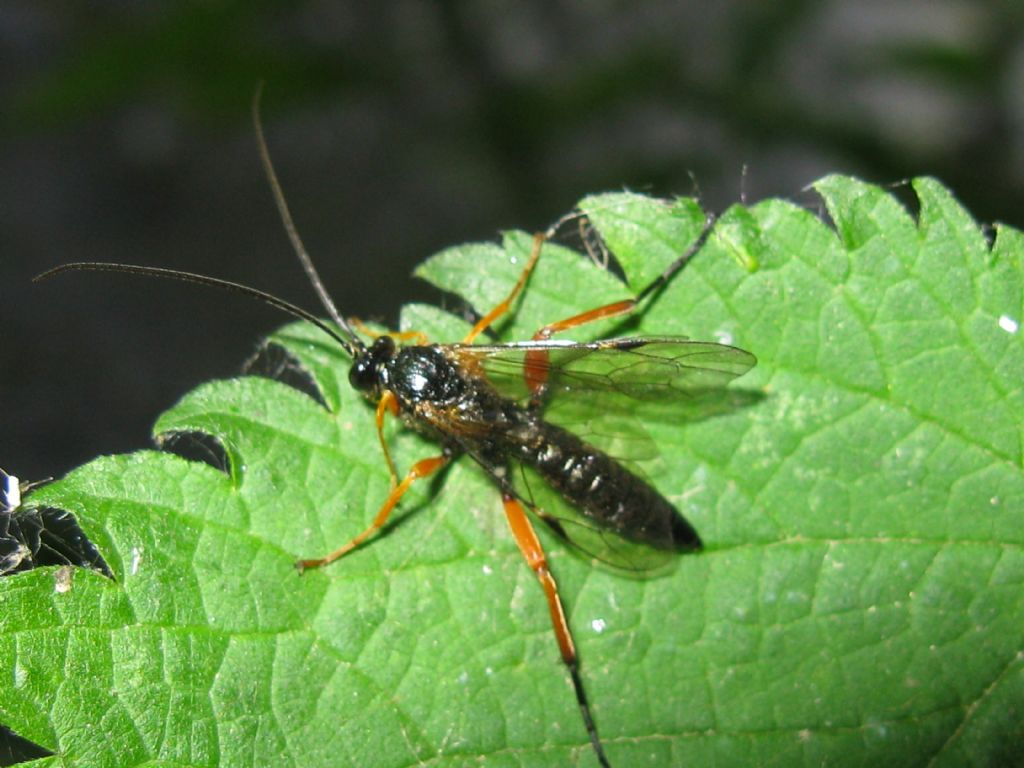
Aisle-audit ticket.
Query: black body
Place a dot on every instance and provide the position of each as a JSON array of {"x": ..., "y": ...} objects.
[{"x": 459, "y": 408}]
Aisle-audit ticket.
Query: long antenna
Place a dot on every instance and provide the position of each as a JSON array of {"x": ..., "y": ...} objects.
[
  {"x": 355, "y": 343},
  {"x": 192, "y": 277},
  {"x": 347, "y": 337}
]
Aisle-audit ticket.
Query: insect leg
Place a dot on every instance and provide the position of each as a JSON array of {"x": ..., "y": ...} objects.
[
  {"x": 419, "y": 470},
  {"x": 387, "y": 404},
  {"x": 535, "y": 365},
  {"x": 502, "y": 308},
  {"x": 529, "y": 545},
  {"x": 417, "y": 337}
]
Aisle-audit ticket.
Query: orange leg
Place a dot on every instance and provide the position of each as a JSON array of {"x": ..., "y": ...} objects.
[
  {"x": 536, "y": 362},
  {"x": 502, "y": 308},
  {"x": 419, "y": 470},
  {"x": 530, "y": 546},
  {"x": 417, "y": 337},
  {"x": 387, "y": 404}
]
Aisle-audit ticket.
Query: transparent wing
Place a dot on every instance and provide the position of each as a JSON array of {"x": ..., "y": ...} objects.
[
  {"x": 639, "y": 368},
  {"x": 604, "y": 391},
  {"x": 580, "y": 533}
]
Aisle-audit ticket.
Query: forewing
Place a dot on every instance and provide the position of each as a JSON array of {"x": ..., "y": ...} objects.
[
  {"x": 640, "y": 368},
  {"x": 605, "y": 391},
  {"x": 598, "y": 389}
]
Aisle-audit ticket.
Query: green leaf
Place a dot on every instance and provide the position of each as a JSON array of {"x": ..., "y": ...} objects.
[
  {"x": 644, "y": 234},
  {"x": 859, "y": 600}
]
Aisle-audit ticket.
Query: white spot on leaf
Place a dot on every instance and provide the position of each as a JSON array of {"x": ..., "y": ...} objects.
[{"x": 62, "y": 578}]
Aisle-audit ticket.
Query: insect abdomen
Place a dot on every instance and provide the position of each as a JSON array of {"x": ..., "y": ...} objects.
[{"x": 604, "y": 490}]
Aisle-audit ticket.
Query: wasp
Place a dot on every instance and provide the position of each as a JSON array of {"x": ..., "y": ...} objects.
[{"x": 488, "y": 401}]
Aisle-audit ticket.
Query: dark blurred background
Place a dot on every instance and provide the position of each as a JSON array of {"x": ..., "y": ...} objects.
[{"x": 401, "y": 128}]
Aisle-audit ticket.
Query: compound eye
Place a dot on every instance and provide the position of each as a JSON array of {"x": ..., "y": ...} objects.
[
  {"x": 369, "y": 371},
  {"x": 362, "y": 375}
]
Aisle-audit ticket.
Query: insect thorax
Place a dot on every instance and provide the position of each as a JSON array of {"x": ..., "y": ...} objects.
[{"x": 423, "y": 374}]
